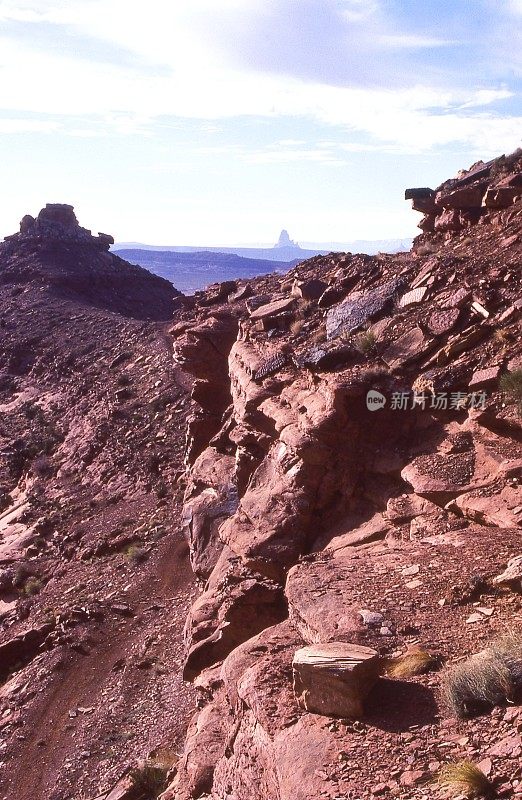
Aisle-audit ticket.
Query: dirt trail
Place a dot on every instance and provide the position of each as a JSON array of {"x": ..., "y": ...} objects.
[{"x": 49, "y": 761}]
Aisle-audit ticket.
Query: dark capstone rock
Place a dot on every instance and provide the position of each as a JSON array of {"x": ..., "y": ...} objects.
[
  {"x": 355, "y": 311},
  {"x": 105, "y": 240},
  {"x": 422, "y": 193},
  {"x": 26, "y": 223},
  {"x": 57, "y": 222},
  {"x": 59, "y": 212}
]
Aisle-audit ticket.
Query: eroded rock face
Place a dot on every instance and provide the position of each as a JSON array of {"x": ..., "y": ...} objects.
[
  {"x": 236, "y": 604},
  {"x": 463, "y": 201},
  {"x": 354, "y": 527}
]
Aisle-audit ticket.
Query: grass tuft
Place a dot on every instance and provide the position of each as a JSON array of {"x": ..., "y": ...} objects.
[
  {"x": 136, "y": 554},
  {"x": 486, "y": 679},
  {"x": 149, "y": 780},
  {"x": 365, "y": 342},
  {"x": 410, "y": 664},
  {"x": 297, "y": 326},
  {"x": 511, "y": 385},
  {"x": 464, "y": 778}
]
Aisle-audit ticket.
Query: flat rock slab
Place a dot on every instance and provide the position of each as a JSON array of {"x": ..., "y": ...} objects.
[
  {"x": 457, "y": 299},
  {"x": 334, "y": 678},
  {"x": 406, "y": 348},
  {"x": 442, "y": 322},
  {"x": 413, "y": 297},
  {"x": 361, "y": 307},
  {"x": 439, "y": 477},
  {"x": 273, "y": 309},
  {"x": 500, "y": 510},
  {"x": 484, "y": 377}
]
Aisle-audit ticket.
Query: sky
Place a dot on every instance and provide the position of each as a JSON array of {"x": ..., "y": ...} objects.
[{"x": 219, "y": 122}]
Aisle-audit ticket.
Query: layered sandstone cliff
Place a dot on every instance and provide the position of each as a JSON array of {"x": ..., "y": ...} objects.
[{"x": 313, "y": 518}]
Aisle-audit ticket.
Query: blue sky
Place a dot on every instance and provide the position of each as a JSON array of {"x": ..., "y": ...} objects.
[{"x": 222, "y": 121}]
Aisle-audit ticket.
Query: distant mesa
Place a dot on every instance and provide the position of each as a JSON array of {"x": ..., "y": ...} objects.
[
  {"x": 58, "y": 221},
  {"x": 285, "y": 240}
]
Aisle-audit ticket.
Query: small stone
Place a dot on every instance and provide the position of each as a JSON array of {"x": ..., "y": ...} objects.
[
  {"x": 412, "y": 777},
  {"x": 474, "y": 618},
  {"x": 371, "y": 618},
  {"x": 485, "y": 766},
  {"x": 410, "y": 571}
]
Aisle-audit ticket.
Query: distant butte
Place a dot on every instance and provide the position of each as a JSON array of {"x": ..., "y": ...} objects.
[{"x": 285, "y": 240}]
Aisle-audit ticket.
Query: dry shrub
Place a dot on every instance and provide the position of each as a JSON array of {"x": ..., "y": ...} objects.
[
  {"x": 136, "y": 554},
  {"x": 365, "y": 342},
  {"x": 416, "y": 662},
  {"x": 318, "y": 336},
  {"x": 32, "y": 586},
  {"x": 297, "y": 326},
  {"x": 511, "y": 385},
  {"x": 425, "y": 249},
  {"x": 486, "y": 679},
  {"x": 149, "y": 780},
  {"x": 464, "y": 778}
]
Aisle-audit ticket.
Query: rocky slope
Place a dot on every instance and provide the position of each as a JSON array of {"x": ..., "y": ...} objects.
[
  {"x": 94, "y": 577},
  {"x": 351, "y": 475},
  {"x": 314, "y": 516}
]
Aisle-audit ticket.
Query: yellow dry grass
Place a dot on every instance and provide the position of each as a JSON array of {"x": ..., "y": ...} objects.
[
  {"x": 415, "y": 662},
  {"x": 465, "y": 778}
]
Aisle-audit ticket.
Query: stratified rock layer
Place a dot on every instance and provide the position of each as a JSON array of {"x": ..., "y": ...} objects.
[{"x": 364, "y": 528}]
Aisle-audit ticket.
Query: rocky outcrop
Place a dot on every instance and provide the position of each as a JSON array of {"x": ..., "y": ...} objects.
[
  {"x": 57, "y": 222},
  {"x": 476, "y": 195},
  {"x": 351, "y": 497},
  {"x": 53, "y": 250},
  {"x": 333, "y": 525}
]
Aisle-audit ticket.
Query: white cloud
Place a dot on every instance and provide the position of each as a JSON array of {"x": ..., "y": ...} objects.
[
  {"x": 411, "y": 41},
  {"x": 10, "y": 126},
  {"x": 358, "y": 10},
  {"x": 200, "y": 84},
  {"x": 292, "y": 156}
]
